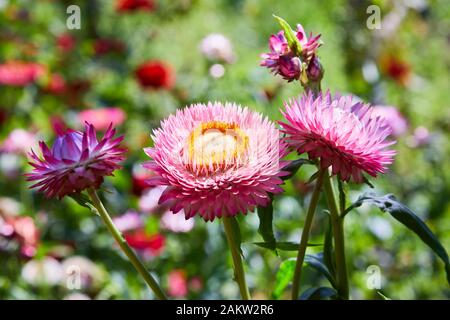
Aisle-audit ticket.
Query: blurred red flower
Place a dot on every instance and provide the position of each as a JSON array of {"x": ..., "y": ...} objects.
[
  {"x": 20, "y": 73},
  {"x": 155, "y": 74},
  {"x": 133, "y": 5},
  {"x": 56, "y": 84},
  {"x": 396, "y": 68},
  {"x": 177, "y": 282},
  {"x": 140, "y": 240},
  {"x": 65, "y": 42},
  {"x": 101, "y": 118},
  {"x": 104, "y": 46}
]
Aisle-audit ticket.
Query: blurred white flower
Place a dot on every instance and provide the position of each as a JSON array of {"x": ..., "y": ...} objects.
[
  {"x": 47, "y": 271},
  {"x": 176, "y": 222},
  {"x": 217, "y": 47}
]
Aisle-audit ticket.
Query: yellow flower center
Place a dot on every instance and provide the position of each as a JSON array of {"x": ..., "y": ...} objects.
[{"x": 216, "y": 144}]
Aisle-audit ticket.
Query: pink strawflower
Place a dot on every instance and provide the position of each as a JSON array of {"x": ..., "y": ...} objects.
[
  {"x": 19, "y": 73},
  {"x": 394, "y": 119},
  {"x": 217, "y": 160},
  {"x": 345, "y": 135},
  {"x": 77, "y": 161},
  {"x": 101, "y": 118},
  {"x": 283, "y": 61}
]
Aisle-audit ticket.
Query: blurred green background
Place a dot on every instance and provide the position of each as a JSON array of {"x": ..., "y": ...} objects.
[{"x": 404, "y": 64}]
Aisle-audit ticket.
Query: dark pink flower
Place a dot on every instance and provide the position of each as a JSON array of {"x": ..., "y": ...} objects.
[
  {"x": 19, "y": 73},
  {"x": 345, "y": 135},
  {"x": 283, "y": 61},
  {"x": 77, "y": 161}
]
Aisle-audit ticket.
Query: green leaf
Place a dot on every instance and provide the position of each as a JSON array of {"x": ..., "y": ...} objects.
[
  {"x": 290, "y": 35},
  {"x": 294, "y": 166},
  {"x": 388, "y": 203},
  {"x": 316, "y": 261},
  {"x": 284, "y": 246},
  {"x": 284, "y": 277},
  {"x": 319, "y": 293},
  {"x": 265, "y": 228},
  {"x": 83, "y": 200}
]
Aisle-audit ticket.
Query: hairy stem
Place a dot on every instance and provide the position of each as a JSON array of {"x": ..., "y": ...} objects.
[
  {"x": 239, "y": 273},
  {"x": 137, "y": 263},
  {"x": 337, "y": 224},
  {"x": 305, "y": 235}
]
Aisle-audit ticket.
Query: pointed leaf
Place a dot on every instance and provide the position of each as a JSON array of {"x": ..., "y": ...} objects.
[
  {"x": 388, "y": 203},
  {"x": 319, "y": 293},
  {"x": 284, "y": 277},
  {"x": 265, "y": 228},
  {"x": 294, "y": 166},
  {"x": 316, "y": 261}
]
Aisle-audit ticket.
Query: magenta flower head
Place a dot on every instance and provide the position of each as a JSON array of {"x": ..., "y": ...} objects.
[
  {"x": 217, "y": 160},
  {"x": 76, "y": 161},
  {"x": 344, "y": 134},
  {"x": 288, "y": 60}
]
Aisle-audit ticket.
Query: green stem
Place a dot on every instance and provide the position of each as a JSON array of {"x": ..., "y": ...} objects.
[
  {"x": 239, "y": 273},
  {"x": 137, "y": 263},
  {"x": 337, "y": 224},
  {"x": 305, "y": 235}
]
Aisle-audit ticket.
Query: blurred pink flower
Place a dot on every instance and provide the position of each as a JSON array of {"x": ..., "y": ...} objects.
[
  {"x": 19, "y": 141},
  {"x": 177, "y": 283},
  {"x": 217, "y": 160},
  {"x": 420, "y": 137},
  {"x": 20, "y": 73},
  {"x": 148, "y": 202},
  {"x": 77, "y": 161},
  {"x": 101, "y": 118},
  {"x": 176, "y": 222},
  {"x": 394, "y": 119},
  {"x": 130, "y": 220},
  {"x": 56, "y": 84},
  {"x": 343, "y": 134},
  {"x": 217, "y": 47},
  {"x": 20, "y": 228},
  {"x": 139, "y": 180}
]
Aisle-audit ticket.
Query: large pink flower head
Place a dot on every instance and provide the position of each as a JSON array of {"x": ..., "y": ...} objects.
[
  {"x": 76, "y": 161},
  {"x": 284, "y": 61},
  {"x": 344, "y": 134},
  {"x": 217, "y": 160}
]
